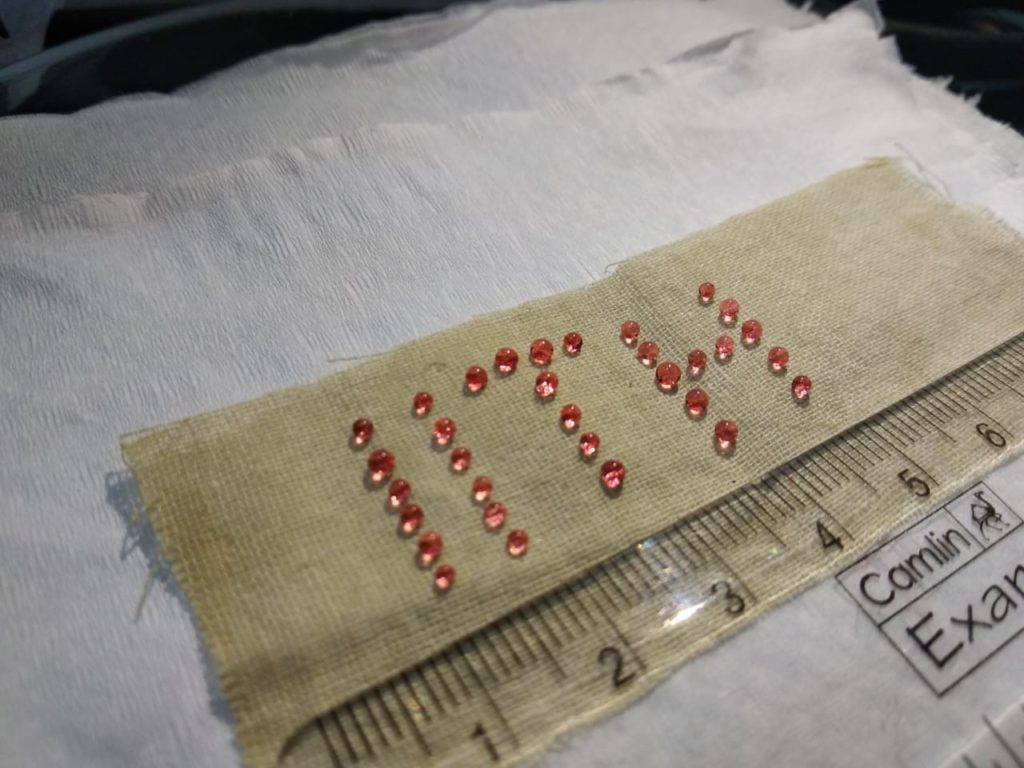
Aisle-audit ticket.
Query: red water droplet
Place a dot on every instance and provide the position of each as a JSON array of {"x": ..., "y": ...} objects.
[
  {"x": 728, "y": 310},
  {"x": 778, "y": 357},
  {"x": 541, "y": 351},
  {"x": 494, "y": 515},
  {"x": 506, "y": 360},
  {"x": 647, "y": 353},
  {"x": 725, "y": 435},
  {"x": 589, "y": 443},
  {"x": 481, "y": 488},
  {"x": 444, "y": 431},
  {"x": 802, "y": 387},
  {"x": 516, "y": 543},
  {"x": 430, "y": 546},
  {"x": 667, "y": 375},
  {"x": 630, "y": 332},
  {"x": 546, "y": 385},
  {"x": 697, "y": 402},
  {"x": 572, "y": 343},
  {"x": 444, "y": 578},
  {"x": 696, "y": 361},
  {"x": 751, "y": 332},
  {"x": 381, "y": 464},
  {"x": 398, "y": 492},
  {"x": 410, "y": 519},
  {"x": 724, "y": 346},
  {"x": 706, "y": 292},
  {"x": 613, "y": 475},
  {"x": 460, "y": 459},
  {"x": 570, "y": 416},
  {"x": 421, "y": 403},
  {"x": 362, "y": 431},
  {"x": 476, "y": 378}
]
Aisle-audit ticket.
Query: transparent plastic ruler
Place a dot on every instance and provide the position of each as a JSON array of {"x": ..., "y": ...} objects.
[
  {"x": 506, "y": 691},
  {"x": 999, "y": 743}
]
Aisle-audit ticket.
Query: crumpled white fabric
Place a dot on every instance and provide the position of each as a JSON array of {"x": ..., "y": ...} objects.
[
  {"x": 473, "y": 58},
  {"x": 127, "y": 309}
]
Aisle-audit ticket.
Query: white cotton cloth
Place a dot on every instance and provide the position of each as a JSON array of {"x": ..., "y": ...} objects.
[
  {"x": 127, "y": 310},
  {"x": 474, "y": 58}
]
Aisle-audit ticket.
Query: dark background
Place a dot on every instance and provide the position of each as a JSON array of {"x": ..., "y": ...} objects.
[{"x": 63, "y": 55}]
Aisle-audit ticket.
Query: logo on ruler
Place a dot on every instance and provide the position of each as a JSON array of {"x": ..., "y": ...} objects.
[{"x": 942, "y": 591}]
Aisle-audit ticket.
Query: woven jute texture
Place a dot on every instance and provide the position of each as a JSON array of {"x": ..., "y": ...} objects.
[{"x": 306, "y": 594}]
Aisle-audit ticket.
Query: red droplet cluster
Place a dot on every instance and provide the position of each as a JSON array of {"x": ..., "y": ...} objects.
[
  {"x": 381, "y": 463},
  {"x": 612, "y": 474},
  {"x": 380, "y": 466},
  {"x": 667, "y": 374},
  {"x": 506, "y": 360},
  {"x": 495, "y": 512}
]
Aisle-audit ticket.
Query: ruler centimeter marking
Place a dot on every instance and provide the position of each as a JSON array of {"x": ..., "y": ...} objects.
[{"x": 504, "y": 692}]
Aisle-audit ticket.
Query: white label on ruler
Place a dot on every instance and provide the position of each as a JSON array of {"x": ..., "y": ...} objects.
[{"x": 942, "y": 591}]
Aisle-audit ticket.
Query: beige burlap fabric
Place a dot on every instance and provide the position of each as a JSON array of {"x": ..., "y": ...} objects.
[{"x": 305, "y": 593}]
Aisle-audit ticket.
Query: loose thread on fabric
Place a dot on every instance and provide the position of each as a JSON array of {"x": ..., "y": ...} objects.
[
  {"x": 147, "y": 588},
  {"x": 354, "y": 358}
]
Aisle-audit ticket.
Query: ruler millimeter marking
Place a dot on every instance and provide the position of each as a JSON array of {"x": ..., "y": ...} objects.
[{"x": 594, "y": 644}]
